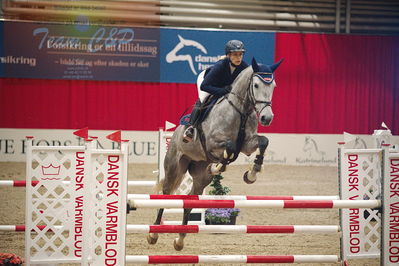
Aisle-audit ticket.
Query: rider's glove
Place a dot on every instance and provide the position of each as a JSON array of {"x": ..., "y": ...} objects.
[{"x": 227, "y": 89}]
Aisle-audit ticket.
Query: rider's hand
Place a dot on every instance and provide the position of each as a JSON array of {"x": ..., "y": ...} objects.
[{"x": 227, "y": 89}]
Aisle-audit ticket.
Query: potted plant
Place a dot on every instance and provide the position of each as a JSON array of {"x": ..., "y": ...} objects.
[{"x": 220, "y": 216}]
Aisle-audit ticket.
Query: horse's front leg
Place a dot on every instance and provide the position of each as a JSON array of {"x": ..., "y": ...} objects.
[
  {"x": 228, "y": 154},
  {"x": 262, "y": 143}
]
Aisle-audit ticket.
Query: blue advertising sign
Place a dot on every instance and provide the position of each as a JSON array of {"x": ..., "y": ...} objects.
[
  {"x": 186, "y": 53},
  {"x": 33, "y": 50},
  {"x": 92, "y": 52}
]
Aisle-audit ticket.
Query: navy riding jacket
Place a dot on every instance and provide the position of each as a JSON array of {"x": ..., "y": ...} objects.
[{"x": 219, "y": 76}]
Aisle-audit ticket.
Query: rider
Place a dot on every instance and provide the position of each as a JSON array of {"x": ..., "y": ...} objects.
[{"x": 218, "y": 80}]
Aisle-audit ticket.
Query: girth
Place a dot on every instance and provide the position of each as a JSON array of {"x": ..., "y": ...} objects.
[{"x": 239, "y": 141}]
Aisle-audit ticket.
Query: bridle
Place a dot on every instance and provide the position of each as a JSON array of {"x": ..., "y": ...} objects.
[{"x": 251, "y": 95}]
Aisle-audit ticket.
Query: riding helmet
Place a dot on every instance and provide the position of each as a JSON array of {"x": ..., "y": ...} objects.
[{"x": 234, "y": 46}]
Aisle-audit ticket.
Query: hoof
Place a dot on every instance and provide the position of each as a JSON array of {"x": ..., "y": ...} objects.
[
  {"x": 225, "y": 154},
  {"x": 246, "y": 180},
  {"x": 214, "y": 169},
  {"x": 152, "y": 240},
  {"x": 177, "y": 246}
]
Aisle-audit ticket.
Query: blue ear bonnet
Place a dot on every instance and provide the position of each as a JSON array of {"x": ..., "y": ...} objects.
[{"x": 264, "y": 73}]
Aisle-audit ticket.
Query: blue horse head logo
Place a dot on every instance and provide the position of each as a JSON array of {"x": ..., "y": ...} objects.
[{"x": 173, "y": 55}]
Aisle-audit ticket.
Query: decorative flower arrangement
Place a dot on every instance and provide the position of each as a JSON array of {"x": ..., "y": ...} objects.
[
  {"x": 220, "y": 216},
  {"x": 9, "y": 259}
]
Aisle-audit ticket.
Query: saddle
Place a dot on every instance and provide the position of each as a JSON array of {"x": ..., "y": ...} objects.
[
  {"x": 198, "y": 115},
  {"x": 200, "y": 112}
]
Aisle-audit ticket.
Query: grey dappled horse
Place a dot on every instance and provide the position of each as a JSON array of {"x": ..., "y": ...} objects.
[{"x": 219, "y": 139}]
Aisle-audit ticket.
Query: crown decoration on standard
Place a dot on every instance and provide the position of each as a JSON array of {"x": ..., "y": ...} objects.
[{"x": 51, "y": 170}]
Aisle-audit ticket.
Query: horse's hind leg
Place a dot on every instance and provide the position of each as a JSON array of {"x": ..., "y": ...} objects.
[
  {"x": 152, "y": 238},
  {"x": 175, "y": 168},
  {"x": 250, "y": 176},
  {"x": 201, "y": 178},
  {"x": 178, "y": 243}
]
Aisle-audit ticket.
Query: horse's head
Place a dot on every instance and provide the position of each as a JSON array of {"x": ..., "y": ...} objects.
[{"x": 261, "y": 90}]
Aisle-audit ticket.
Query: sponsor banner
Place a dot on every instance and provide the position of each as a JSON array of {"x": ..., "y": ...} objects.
[
  {"x": 286, "y": 149},
  {"x": 93, "y": 52},
  {"x": 186, "y": 53},
  {"x": 143, "y": 145},
  {"x": 80, "y": 51}
]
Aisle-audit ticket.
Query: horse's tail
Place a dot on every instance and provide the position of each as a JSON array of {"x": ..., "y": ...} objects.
[{"x": 159, "y": 186}]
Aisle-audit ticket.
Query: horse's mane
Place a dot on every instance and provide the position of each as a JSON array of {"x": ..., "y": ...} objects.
[
  {"x": 244, "y": 74},
  {"x": 243, "y": 78}
]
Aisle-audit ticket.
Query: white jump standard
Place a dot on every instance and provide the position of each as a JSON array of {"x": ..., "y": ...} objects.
[{"x": 73, "y": 214}]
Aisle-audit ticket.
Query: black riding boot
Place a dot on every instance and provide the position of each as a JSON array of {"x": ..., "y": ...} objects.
[{"x": 195, "y": 114}]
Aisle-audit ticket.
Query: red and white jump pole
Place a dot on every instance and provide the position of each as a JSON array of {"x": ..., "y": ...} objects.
[
  {"x": 18, "y": 183},
  {"x": 228, "y": 197},
  {"x": 209, "y": 229},
  {"x": 22, "y": 183},
  {"x": 275, "y": 204},
  {"x": 16, "y": 228},
  {"x": 22, "y": 228},
  {"x": 232, "y": 259},
  {"x": 234, "y": 229}
]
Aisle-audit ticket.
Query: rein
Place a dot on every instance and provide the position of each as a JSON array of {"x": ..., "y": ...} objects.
[{"x": 244, "y": 116}]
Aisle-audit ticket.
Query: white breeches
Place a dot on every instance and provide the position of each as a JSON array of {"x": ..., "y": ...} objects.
[{"x": 202, "y": 95}]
